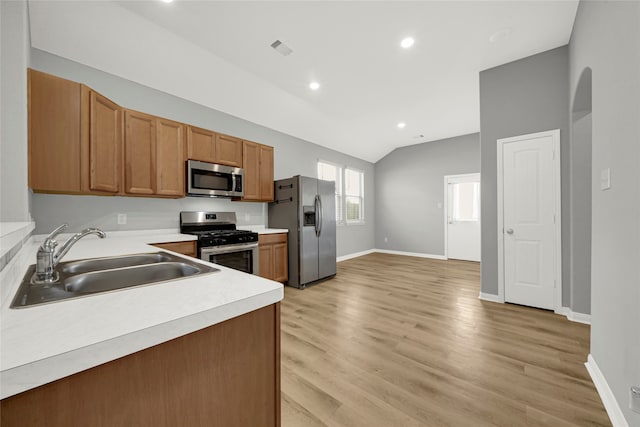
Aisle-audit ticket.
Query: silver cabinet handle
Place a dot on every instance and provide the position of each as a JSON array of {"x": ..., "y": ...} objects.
[{"x": 509, "y": 230}]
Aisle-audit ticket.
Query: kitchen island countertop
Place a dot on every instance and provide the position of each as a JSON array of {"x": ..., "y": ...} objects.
[{"x": 43, "y": 343}]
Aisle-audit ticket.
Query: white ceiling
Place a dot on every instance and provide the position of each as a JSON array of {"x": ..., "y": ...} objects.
[{"x": 368, "y": 82}]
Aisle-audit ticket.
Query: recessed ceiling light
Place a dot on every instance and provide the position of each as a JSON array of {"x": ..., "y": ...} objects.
[
  {"x": 167, "y": 1},
  {"x": 407, "y": 42},
  {"x": 314, "y": 85},
  {"x": 401, "y": 125}
]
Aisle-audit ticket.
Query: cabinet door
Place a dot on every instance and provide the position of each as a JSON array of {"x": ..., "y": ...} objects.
[
  {"x": 280, "y": 262},
  {"x": 105, "y": 140},
  {"x": 228, "y": 150},
  {"x": 170, "y": 167},
  {"x": 139, "y": 151},
  {"x": 266, "y": 173},
  {"x": 251, "y": 165},
  {"x": 265, "y": 261},
  {"x": 54, "y": 133},
  {"x": 184, "y": 248},
  {"x": 201, "y": 144}
]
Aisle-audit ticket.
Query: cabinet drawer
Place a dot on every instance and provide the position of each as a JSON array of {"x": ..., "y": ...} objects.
[
  {"x": 269, "y": 239},
  {"x": 184, "y": 248}
]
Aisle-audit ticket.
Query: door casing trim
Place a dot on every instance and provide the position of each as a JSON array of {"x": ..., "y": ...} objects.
[{"x": 555, "y": 135}]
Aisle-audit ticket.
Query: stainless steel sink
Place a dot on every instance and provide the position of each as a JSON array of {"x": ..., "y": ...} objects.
[
  {"x": 98, "y": 275},
  {"x": 89, "y": 265},
  {"x": 109, "y": 280}
]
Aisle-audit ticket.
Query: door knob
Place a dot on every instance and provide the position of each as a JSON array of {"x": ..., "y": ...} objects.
[{"x": 509, "y": 230}]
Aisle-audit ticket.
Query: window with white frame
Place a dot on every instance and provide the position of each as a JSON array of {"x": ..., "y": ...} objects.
[
  {"x": 354, "y": 195},
  {"x": 466, "y": 201},
  {"x": 349, "y": 191}
]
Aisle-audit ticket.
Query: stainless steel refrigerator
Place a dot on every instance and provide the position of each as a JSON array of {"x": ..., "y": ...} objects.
[{"x": 307, "y": 208}]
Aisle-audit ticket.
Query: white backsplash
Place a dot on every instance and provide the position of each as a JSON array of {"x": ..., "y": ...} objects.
[{"x": 142, "y": 213}]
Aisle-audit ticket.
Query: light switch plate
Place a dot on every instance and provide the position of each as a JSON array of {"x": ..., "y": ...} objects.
[
  {"x": 605, "y": 179},
  {"x": 122, "y": 219}
]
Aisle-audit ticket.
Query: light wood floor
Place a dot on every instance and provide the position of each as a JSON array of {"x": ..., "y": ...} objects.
[{"x": 403, "y": 341}]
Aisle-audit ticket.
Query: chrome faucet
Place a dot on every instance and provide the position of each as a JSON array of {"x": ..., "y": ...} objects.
[{"x": 47, "y": 259}]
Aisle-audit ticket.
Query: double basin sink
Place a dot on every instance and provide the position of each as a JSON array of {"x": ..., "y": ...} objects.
[{"x": 98, "y": 275}]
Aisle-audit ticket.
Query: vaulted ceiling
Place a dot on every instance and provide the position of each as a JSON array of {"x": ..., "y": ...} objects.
[{"x": 368, "y": 82}]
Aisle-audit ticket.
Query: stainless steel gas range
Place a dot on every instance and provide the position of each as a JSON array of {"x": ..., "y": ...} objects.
[{"x": 220, "y": 242}]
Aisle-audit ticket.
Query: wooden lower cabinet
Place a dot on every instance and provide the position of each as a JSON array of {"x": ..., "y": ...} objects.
[
  {"x": 225, "y": 375},
  {"x": 184, "y": 248},
  {"x": 273, "y": 257}
]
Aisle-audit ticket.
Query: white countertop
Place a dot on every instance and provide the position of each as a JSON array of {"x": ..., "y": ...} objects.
[{"x": 40, "y": 344}]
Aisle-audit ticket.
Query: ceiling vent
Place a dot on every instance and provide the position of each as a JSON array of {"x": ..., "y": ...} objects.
[{"x": 281, "y": 48}]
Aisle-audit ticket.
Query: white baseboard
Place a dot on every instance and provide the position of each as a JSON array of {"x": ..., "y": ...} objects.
[
  {"x": 574, "y": 316},
  {"x": 490, "y": 297},
  {"x": 354, "y": 255},
  {"x": 386, "y": 251},
  {"x": 579, "y": 317},
  {"x": 608, "y": 399},
  {"x": 416, "y": 254}
]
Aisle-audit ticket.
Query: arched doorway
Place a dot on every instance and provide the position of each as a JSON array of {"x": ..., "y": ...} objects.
[{"x": 581, "y": 188}]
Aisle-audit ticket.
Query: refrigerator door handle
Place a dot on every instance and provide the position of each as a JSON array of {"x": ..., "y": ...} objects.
[{"x": 318, "y": 215}]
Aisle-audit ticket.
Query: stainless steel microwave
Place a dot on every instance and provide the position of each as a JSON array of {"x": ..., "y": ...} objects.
[{"x": 213, "y": 180}]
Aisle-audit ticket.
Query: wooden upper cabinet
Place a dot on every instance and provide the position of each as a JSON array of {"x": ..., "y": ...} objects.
[
  {"x": 251, "y": 165},
  {"x": 170, "y": 168},
  {"x": 54, "y": 133},
  {"x": 257, "y": 160},
  {"x": 266, "y": 173},
  {"x": 75, "y": 137},
  {"x": 139, "y": 153},
  {"x": 154, "y": 155},
  {"x": 201, "y": 144},
  {"x": 228, "y": 150},
  {"x": 104, "y": 143}
]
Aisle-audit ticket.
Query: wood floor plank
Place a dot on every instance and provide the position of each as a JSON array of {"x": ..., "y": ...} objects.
[{"x": 404, "y": 341}]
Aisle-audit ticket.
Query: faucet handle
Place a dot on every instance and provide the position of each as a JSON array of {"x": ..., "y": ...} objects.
[{"x": 57, "y": 231}]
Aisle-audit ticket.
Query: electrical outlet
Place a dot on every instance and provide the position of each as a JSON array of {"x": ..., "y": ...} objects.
[
  {"x": 122, "y": 219},
  {"x": 386, "y": 239},
  {"x": 439, "y": 205},
  {"x": 247, "y": 217},
  {"x": 634, "y": 399}
]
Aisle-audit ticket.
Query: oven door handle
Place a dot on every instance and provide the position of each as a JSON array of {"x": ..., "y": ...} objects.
[{"x": 213, "y": 250}]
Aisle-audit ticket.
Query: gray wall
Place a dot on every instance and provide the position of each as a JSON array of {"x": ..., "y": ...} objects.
[
  {"x": 606, "y": 38},
  {"x": 580, "y": 268},
  {"x": 292, "y": 156},
  {"x": 525, "y": 96},
  {"x": 409, "y": 186},
  {"x": 14, "y": 56}
]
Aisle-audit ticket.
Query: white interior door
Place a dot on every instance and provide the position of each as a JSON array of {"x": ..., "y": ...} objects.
[
  {"x": 530, "y": 204},
  {"x": 463, "y": 217}
]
